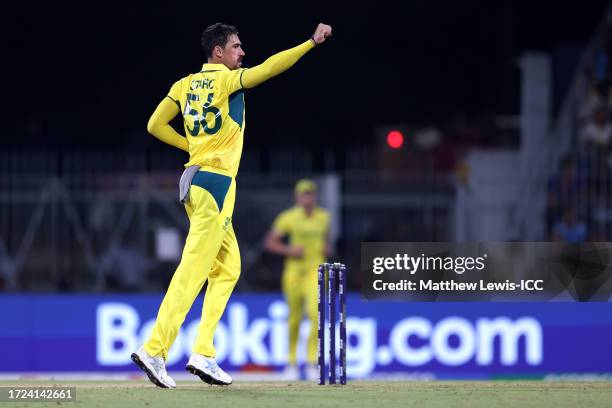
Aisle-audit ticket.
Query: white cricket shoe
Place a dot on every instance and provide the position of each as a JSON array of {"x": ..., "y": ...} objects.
[
  {"x": 154, "y": 367},
  {"x": 291, "y": 372},
  {"x": 208, "y": 370}
]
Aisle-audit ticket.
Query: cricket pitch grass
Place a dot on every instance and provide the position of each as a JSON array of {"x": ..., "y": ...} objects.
[{"x": 354, "y": 395}]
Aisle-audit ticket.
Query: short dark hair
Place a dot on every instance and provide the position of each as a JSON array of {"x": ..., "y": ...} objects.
[{"x": 216, "y": 34}]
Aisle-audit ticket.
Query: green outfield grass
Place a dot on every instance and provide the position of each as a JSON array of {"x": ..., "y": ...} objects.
[{"x": 357, "y": 394}]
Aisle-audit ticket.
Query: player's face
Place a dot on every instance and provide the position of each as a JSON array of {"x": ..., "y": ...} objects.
[
  {"x": 233, "y": 53},
  {"x": 306, "y": 199}
]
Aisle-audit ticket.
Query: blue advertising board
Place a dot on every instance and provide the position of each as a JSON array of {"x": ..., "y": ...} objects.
[{"x": 97, "y": 333}]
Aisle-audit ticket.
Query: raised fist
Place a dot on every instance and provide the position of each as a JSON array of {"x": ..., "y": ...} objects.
[{"x": 321, "y": 33}]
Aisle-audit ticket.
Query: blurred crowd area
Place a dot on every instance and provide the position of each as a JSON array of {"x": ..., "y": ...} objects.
[{"x": 580, "y": 192}]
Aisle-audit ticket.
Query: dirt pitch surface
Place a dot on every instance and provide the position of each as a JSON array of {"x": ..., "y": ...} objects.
[{"x": 356, "y": 394}]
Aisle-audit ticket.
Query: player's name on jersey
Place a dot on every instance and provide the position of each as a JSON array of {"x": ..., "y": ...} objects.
[{"x": 205, "y": 83}]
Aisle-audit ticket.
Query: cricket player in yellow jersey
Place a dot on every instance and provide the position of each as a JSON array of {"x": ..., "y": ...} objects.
[
  {"x": 306, "y": 225},
  {"x": 211, "y": 103}
]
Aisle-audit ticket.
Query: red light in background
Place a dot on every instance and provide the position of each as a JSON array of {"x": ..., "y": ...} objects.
[{"x": 395, "y": 139}]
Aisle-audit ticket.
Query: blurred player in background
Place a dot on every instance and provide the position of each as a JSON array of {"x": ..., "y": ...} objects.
[
  {"x": 306, "y": 226},
  {"x": 211, "y": 103}
]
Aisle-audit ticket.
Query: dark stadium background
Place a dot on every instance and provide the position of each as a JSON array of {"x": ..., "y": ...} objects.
[{"x": 89, "y": 75}]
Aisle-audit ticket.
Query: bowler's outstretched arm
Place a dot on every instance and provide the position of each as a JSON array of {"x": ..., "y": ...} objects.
[{"x": 282, "y": 61}]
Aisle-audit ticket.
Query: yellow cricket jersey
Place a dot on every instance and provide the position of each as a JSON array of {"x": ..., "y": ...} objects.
[
  {"x": 308, "y": 232},
  {"x": 212, "y": 104}
]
